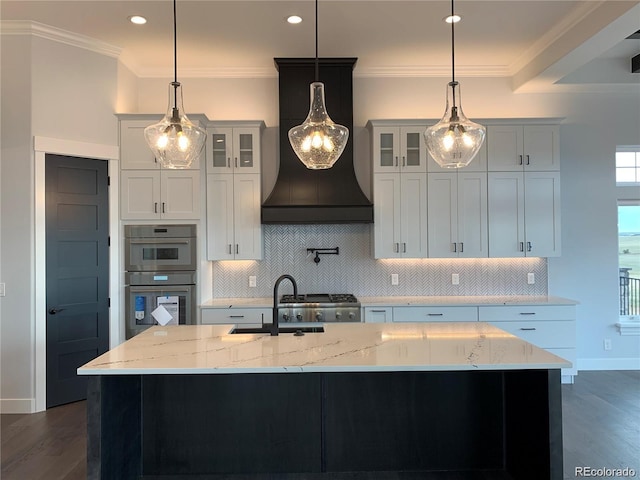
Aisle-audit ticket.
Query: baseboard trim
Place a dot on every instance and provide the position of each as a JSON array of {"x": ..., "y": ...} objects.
[
  {"x": 17, "y": 405},
  {"x": 608, "y": 364}
]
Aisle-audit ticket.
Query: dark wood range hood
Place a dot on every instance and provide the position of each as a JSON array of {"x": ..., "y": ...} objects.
[{"x": 308, "y": 196}]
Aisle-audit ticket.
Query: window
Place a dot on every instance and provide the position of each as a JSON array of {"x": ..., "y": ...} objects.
[
  {"x": 628, "y": 166},
  {"x": 629, "y": 257}
]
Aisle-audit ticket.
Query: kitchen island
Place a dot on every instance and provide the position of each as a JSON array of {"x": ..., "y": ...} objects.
[{"x": 359, "y": 401}]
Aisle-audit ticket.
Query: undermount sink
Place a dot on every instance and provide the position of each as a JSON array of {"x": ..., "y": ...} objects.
[{"x": 294, "y": 330}]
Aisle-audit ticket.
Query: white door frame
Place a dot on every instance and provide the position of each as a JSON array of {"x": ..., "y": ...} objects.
[{"x": 42, "y": 146}]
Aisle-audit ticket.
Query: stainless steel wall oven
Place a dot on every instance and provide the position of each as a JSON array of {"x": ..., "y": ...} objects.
[{"x": 160, "y": 277}]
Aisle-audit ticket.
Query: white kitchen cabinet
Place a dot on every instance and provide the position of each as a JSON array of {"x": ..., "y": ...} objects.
[
  {"x": 247, "y": 317},
  {"x": 524, "y": 214},
  {"x": 160, "y": 194},
  {"x": 378, "y": 314},
  {"x": 457, "y": 215},
  {"x": 234, "y": 231},
  {"x": 398, "y": 148},
  {"x": 516, "y": 148},
  {"x": 400, "y": 215},
  {"x": 135, "y": 153},
  {"x": 233, "y": 147},
  {"x": 552, "y": 327},
  {"x": 436, "y": 314}
]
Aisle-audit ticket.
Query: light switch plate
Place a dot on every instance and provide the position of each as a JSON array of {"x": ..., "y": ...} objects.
[
  {"x": 252, "y": 280},
  {"x": 394, "y": 279},
  {"x": 455, "y": 279},
  {"x": 531, "y": 278}
]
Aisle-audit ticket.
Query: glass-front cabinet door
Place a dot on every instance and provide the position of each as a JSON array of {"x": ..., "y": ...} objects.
[
  {"x": 233, "y": 150},
  {"x": 399, "y": 149}
]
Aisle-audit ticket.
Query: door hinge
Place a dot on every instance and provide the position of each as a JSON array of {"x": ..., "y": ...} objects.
[
  {"x": 108, "y": 241},
  {"x": 109, "y": 302},
  {"x": 108, "y": 181}
]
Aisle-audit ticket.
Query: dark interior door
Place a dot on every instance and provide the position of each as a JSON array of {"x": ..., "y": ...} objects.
[{"x": 77, "y": 251}]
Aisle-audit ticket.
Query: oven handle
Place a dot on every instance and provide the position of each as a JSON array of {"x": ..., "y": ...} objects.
[{"x": 160, "y": 240}]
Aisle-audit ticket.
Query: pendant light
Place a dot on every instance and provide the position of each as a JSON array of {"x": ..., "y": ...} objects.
[
  {"x": 455, "y": 140},
  {"x": 175, "y": 141},
  {"x": 318, "y": 142}
]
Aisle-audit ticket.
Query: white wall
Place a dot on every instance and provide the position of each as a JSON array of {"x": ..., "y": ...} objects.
[{"x": 49, "y": 90}]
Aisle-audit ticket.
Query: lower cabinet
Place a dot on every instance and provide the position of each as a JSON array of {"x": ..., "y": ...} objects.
[
  {"x": 550, "y": 327},
  {"x": 248, "y": 317},
  {"x": 436, "y": 314},
  {"x": 378, "y": 314}
]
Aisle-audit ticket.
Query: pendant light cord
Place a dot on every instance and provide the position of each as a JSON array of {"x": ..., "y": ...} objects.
[
  {"x": 453, "y": 56},
  {"x": 175, "y": 58},
  {"x": 317, "y": 76}
]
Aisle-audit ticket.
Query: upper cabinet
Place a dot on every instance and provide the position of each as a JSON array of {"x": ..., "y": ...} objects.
[
  {"x": 234, "y": 147},
  {"x": 516, "y": 148},
  {"x": 398, "y": 148},
  {"x": 148, "y": 191},
  {"x": 135, "y": 154}
]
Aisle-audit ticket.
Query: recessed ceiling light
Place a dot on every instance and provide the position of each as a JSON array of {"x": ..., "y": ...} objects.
[
  {"x": 294, "y": 19},
  {"x": 137, "y": 19},
  {"x": 452, "y": 18}
]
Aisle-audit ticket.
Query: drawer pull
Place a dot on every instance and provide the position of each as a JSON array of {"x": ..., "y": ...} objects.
[
  {"x": 527, "y": 313},
  {"x": 378, "y": 311},
  {"x": 236, "y": 316},
  {"x": 528, "y": 329},
  {"x": 435, "y": 314}
]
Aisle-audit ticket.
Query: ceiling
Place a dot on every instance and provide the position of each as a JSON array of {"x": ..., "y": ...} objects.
[{"x": 540, "y": 45}]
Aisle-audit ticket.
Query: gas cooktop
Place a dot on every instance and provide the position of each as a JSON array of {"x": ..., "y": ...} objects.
[{"x": 320, "y": 298}]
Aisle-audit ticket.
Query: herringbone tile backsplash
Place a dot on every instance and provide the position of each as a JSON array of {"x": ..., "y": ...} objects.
[{"x": 355, "y": 270}]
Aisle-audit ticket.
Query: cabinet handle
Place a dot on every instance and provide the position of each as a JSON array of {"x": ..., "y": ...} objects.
[
  {"x": 404, "y": 247},
  {"x": 378, "y": 311},
  {"x": 435, "y": 314},
  {"x": 229, "y": 249},
  {"x": 528, "y": 329},
  {"x": 163, "y": 207},
  {"x": 228, "y": 162},
  {"x": 236, "y": 316},
  {"x": 455, "y": 247},
  {"x": 461, "y": 247},
  {"x": 155, "y": 207},
  {"x": 396, "y": 248},
  {"x": 237, "y": 249},
  {"x": 527, "y": 313},
  {"x": 404, "y": 161},
  {"x": 522, "y": 246},
  {"x": 520, "y": 159},
  {"x": 235, "y": 161},
  {"x": 528, "y": 160},
  {"x": 529, "y": 246},
  {"x": 396, "y": 161},
  {"x": 155, "y": 159}
]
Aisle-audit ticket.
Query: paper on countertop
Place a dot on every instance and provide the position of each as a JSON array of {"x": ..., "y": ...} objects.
[{"x": 167, "y": 312}]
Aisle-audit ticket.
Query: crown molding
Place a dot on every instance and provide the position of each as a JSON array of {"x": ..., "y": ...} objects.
[
  {"x": 431, "y": 71},
  {"x": 213, "y": 72},
  {"x": 22, "y": 27}
]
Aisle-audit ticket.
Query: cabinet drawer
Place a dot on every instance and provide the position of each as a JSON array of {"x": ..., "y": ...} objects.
[
  {"x": 242, "y": 316},
  {"x": 435, "y": 314},
  {"x": 557, "y": 334},
  {"x": 378, "y": 314},
  {"x": 513, "y": 313}
]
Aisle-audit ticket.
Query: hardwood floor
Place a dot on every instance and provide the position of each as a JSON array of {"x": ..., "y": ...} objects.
[{"x": 601, "y": 425}]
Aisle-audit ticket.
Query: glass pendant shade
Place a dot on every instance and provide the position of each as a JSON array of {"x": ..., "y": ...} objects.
[
  {"x": 318, "y": 142},
  {"x": 175, "y": 141},
  {"x": 455, "y": 140}
]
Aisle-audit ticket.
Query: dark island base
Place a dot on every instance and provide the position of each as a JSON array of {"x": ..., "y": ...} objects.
[{"x": 469, "y": 425}]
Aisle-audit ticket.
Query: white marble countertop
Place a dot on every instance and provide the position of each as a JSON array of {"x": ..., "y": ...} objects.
[
  {"x": 398, "y": 301},
  {"x": 346, "y": 347}
]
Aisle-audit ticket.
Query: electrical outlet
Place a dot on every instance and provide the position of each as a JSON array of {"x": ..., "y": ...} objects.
[
  {"x": 455, "y": 279},
  {"x": 252, "y": 280},
  {"x": 2, "y": 289},
  {"x": 394, "y": 279},
  {"x": 531, "y": 278},
  {"x": 607, "y": 344}
]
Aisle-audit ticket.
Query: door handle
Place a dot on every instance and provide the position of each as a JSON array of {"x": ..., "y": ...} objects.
[{"x": 53, "y": 311}]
